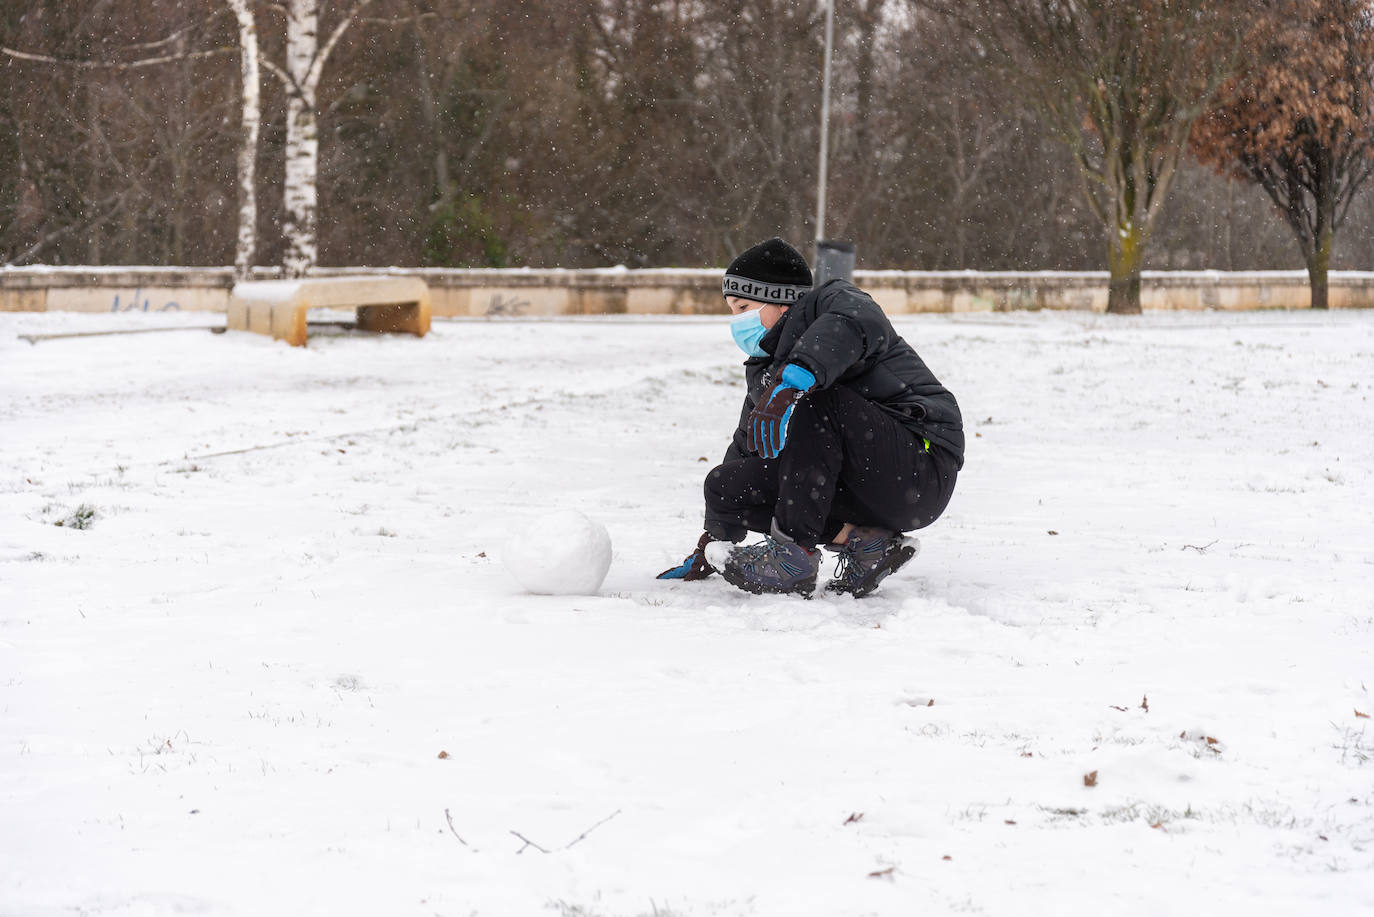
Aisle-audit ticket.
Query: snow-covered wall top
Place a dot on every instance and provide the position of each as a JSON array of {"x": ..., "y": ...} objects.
[{"x": 542, "y": 291}]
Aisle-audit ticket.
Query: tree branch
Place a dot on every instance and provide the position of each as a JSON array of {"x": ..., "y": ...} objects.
[
  {"x": 117, "y": 205},
  {"x": 317, "y": 66},
  {"x": 449, "y": 818},
  {"x": 114, "y": 65},
  {"x": 285, "y": 78},
  {"x": 581, "y": 837},
  {"x": 148, "y": 46},
  {"x": 528, "y": 843}
]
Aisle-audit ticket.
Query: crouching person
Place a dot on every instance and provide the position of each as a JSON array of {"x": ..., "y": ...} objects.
[{"x": 846, "y": 439}]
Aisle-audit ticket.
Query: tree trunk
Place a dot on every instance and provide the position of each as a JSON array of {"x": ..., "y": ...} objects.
[
  {"x": 1324, "y": 229},
  {"x": 178, "y": 156},
  {"x": 95, "y": 234},
  {"x": 429, "y": 110},
  {"x": 305, "y": 60},
  {"x": 868, "y": 14},
  {"x": 1317, "y": 266},
  {"x": 302, "y": 139},
  {"x": 1123, "y": 258},
  {"x": 249, "y": 125}
]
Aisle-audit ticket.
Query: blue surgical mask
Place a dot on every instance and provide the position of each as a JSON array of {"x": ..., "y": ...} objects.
[{"x": 747, "y": 330}]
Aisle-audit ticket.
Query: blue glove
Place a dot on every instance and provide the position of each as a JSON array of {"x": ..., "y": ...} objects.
[
  {"x": 695, "y": 566},
  {"x": 767, "y": 433}
]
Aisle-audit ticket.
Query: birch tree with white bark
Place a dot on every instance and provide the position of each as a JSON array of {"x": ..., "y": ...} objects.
[
  {"x": 250, "y": 125},
  {"x": 305, "y": 60}
]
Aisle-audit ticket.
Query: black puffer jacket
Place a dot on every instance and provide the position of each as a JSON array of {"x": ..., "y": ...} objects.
[{"x": 843, "y": 337}]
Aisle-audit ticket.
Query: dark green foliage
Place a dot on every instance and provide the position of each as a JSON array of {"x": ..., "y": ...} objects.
[{"x": 462, "y": 234}]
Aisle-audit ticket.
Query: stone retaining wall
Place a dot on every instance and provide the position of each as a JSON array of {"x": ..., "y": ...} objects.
[{"x": 529, "y": 292}]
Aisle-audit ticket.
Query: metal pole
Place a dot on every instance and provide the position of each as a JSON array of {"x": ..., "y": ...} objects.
[{"x": 825, "y": 120}]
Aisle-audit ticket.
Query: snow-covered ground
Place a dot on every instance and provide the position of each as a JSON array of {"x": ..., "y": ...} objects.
[{"x": 269, "y": 662}]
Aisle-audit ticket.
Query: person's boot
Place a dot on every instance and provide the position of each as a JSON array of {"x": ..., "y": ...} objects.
[
  {"x": 775, "y": 565},
  {"x": 869, "y": 556}
]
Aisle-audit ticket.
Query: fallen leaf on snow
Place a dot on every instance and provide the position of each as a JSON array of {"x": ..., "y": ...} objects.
[
  {"x": 443, "y": 754},
  {"x": 853, "y": 817},
  {"x": 1090, "y": 778},
  {"x": 1211, "y": 743},
  {"x": 882, "y": 873},
  {"x": 1363, "y": 716}
]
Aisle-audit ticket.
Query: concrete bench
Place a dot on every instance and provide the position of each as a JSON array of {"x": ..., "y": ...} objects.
[{"x": 279, "y": 307}]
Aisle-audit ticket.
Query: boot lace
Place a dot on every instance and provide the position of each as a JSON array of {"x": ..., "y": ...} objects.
[
  {"x": 755, "y": 554},
  {"x": 848, "y": 568}
]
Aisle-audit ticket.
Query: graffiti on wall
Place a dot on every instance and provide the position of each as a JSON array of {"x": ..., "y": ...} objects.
[
  {"x": 134, "y": 305},
  {"x": 499, "y": 304}
]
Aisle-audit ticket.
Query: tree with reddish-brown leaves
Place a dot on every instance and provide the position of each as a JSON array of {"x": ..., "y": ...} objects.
[{"x": 1299, "y": 122}]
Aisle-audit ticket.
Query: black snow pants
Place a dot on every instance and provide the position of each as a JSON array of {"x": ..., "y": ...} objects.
[{"x": 846, "y": 460}]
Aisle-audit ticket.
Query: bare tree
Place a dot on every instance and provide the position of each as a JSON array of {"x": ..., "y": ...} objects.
[
  {"x": 1120, "y": 82},
  {"x": 761, "y": 104},
  {"x": 179, "y": 147},
  {"x": 89, "y": 164}
]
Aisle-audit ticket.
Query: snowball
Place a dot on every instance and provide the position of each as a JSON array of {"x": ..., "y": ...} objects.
[
  {"x": 718, "y": 553},
  {"x": 561, "y": 553}
]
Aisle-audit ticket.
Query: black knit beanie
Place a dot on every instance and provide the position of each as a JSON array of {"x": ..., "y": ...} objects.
[{"x": 771, "y": 271}]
